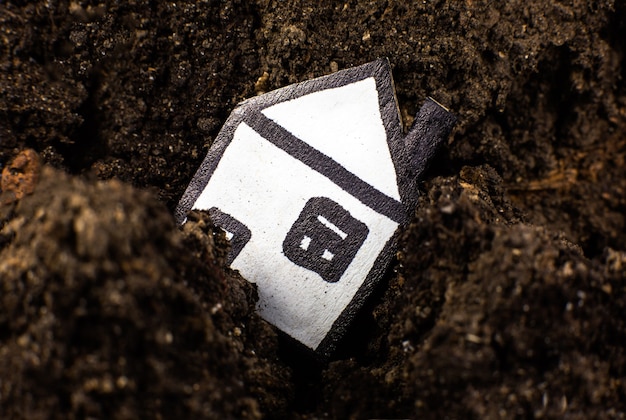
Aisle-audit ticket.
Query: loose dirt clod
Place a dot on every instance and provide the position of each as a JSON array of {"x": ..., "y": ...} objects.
[
  {"x": 20, "y": 176},
  {"x": 105, "y": 312}
]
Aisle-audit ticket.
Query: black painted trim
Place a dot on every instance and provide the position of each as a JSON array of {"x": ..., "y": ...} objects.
[{"x": 326, "y": 166}]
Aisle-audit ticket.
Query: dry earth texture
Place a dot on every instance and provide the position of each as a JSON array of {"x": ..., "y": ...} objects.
[{"x": 508, "y": 295}]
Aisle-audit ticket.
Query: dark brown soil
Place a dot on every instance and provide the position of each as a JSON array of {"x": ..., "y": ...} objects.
[{"x": 509, "y": 292}]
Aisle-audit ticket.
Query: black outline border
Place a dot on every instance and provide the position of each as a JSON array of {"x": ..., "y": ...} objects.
[
  {"x": 388, "y": 106},
  {"x": 401, "y": 158}
]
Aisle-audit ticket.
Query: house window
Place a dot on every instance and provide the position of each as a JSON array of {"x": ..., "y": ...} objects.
[
  {"x": 236, "y": 232},
  {"x": 325, "y": 238}
]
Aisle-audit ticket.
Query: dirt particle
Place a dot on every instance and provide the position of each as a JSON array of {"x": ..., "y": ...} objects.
[
  {"x": 20, "y": 176},
  {"x": 262, "y": 84}
]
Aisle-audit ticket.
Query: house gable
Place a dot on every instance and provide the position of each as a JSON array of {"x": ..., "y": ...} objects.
[{"x": 345, "y": 124}]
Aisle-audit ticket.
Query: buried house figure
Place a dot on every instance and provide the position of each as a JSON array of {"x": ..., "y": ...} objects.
[{"x": 311, "y": 184}]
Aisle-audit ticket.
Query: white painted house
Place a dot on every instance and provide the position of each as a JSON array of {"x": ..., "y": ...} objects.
[{"x": 311, "y": 184}]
